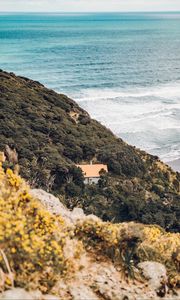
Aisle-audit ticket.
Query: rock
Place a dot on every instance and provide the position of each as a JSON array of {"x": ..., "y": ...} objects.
[
  {"x": 51, "y": 203},
  {"x": 54, "y": 206},
  {"x": 107, "y": 283},
  {"x": 20, "y": 294},
  {"x": 77, "y": 213},
  {"x": 49, "y": 297},
  {"x": 154, "y": 272},
  {"x": 92, "y": 218},
  {"x": 82, "y": 292}
]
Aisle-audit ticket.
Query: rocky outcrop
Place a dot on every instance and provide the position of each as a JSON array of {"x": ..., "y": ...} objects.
[
  {"x": 21, "y": 294},
  {"x": 97, "y": 278},
  {"x": 54, "y": 206},
  {"x": 51, "y": 203},
  {"x": 154, "y": 272}
]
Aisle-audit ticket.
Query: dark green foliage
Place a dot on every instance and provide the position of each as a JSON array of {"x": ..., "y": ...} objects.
[
  {"x": 122, "y": 161},
  {"x": 41, "y": 126},
  {"x": 73, "y": 190}
]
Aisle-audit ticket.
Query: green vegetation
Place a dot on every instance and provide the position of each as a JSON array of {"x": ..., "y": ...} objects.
[
  {"x": 38, "y": 249},
  {"x": 51, "y": 133}
]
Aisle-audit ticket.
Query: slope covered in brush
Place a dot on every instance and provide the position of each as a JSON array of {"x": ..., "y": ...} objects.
[
  {"x": 59, "y": 254},
  {"x": 51, "y": 133}
]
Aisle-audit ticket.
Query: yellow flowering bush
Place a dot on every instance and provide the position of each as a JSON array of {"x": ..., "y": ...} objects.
[
  {"x": 37, "y": 248},
  {"x": 97, "y": 233},
  {"x": 164, "y": 247},
  {"x": 132, "y": 241},
  {"x": 160, "y": 246},
  {"x": 31, "y": 239}
]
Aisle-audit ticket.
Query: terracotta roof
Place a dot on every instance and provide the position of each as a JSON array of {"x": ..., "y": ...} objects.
[{"x": 92, "y": 170}]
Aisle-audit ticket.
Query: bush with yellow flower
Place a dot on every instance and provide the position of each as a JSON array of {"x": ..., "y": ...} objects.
[
  {"x": 37, "y": 248},
  {"x": 32, "y": 240}
]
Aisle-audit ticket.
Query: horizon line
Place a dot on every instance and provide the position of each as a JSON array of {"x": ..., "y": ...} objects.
[{"x": 86, "y": 12}]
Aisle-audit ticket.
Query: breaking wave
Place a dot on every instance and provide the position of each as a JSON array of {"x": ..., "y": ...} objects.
[{"x": 147, "y": 117}]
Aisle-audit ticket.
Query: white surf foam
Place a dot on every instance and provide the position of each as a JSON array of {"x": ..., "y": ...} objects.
[
  {"x": 167, "y": 91},
  {"x": 152, "y": 114}
]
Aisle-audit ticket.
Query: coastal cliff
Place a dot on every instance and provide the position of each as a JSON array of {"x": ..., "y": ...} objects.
[{"x": 51, "y": 134}]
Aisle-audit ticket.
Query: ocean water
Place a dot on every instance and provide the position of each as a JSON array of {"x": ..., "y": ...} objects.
[{"x": 123, "y": 68}]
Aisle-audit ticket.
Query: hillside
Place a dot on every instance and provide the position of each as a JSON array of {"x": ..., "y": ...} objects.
[
  {"x": 51, "y": 133},
  {"x": 48, "y": 252}
]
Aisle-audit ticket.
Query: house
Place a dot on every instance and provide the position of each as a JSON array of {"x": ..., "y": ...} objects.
[{"x": 92, "y": 172}]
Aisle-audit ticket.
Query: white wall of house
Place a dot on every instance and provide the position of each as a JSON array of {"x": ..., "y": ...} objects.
[{"x": 90, "y": 180}]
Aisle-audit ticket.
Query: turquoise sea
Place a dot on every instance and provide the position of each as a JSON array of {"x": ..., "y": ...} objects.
[{"x": 123, "y": 68}]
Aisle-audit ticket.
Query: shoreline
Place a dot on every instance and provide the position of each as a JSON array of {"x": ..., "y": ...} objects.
[{"x": 174, "y": 164}]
